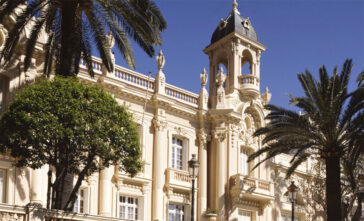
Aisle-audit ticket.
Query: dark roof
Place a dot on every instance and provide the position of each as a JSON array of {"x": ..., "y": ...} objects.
[{"x": 234, "y": 23}]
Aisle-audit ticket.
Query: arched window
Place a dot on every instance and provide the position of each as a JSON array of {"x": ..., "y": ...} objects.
[{"x": 246, "y": 63}]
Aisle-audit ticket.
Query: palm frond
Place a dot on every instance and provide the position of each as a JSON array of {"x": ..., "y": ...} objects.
[
  {"x": 32, "y": 41},
  {"x": 99, "y": 37}
]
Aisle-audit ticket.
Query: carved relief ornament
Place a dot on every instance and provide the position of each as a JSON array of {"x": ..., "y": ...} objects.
[
  {"x": 159, "y": 124},
  {"x": 219, "y": 135},
  {"x": 202, "y": 137}
]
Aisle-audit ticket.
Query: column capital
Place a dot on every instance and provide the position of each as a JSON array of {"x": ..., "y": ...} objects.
[
  {"x": 159, "y": 125},
  {"x": 219, "y": 134}
]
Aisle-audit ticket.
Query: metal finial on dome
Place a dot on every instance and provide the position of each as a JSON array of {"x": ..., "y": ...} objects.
[{"x": 235, "y": 7}]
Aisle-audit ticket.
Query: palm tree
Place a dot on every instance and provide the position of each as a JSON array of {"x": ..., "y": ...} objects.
[
  {"x": 330, "y": 122},
  {"x": 74, "y": 25}
]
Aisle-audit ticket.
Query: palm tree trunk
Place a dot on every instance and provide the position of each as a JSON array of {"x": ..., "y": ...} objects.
[
  {"x": 358, "y": 212},
  {"x": 70, "y": 39},
  {"x": 333, "y": 188}
]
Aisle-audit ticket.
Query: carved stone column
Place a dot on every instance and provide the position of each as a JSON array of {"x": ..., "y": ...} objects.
[
  {"x": 220, "y": 137},
  {"x": 36, "y": 186},
  {"x": 105, "y": 203},
  {"x": 202, "y": 178},
  {"x": 158, "y": 169}
]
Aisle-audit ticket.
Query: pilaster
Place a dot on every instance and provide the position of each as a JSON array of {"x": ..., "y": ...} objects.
[
  {"x": 159, "y": 148},
  {"x": 219, "y": 134},
  {"x": 105, "y": 203},
  {"x": 36, "y": 186},
  {"x": 202, "y": 178}
]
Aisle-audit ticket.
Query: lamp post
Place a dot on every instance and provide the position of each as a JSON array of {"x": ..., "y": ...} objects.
[
  {"x": 292, "y": 195},
  {"x": 193, "y": 165}
]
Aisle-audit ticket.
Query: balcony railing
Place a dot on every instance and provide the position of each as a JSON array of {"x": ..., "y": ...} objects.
[
  {"x": 249, "y": 83},
  {"x": 178, "y": 178},
  {"x": 12, "y": 213},
  {"x": 249, "y": 187}
]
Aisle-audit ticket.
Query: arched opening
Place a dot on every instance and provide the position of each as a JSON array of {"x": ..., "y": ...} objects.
[{"x": 246, "y": 63}]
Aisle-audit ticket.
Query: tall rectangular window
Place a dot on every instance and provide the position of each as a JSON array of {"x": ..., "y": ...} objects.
[
  {"x": 244, "y": 216},
  {"x": 176, "y": 212},
  {"x": 128, "y": 208},
  {"x": 177, "y": 153},
  {"x": 79, "y": 206},
  {"x": 244, "y": 166},
  {"x": 2, "y": 185}
]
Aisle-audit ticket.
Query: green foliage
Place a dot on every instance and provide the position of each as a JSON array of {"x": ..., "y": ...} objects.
[
  {"x": 331, "y": 125},
  {"x": 74, "y": 25},
  {"x": 76, "y": 128}
]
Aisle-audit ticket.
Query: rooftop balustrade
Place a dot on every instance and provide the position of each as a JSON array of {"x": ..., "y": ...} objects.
[{"x": 141, "y": 81}]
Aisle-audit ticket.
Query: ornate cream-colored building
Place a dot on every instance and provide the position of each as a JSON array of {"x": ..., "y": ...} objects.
[{"x": 216, "y": 125}]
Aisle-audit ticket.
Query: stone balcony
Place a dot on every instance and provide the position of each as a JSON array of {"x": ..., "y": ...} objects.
[
  {"x": 178, "y": 179},
  {"x": 249, "y": 84},
  {"x": 251, "y": 191},
  {"x": 23, "y": 213}
]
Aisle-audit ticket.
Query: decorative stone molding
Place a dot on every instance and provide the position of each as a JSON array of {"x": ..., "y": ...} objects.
[
  {"x": 202, "y": 137},
  {"x": 159, "y": 124},
  {"x": 146, "y": 188},
  {"x": 181, "y": 131},
  {"x": 219, "y": 134}
]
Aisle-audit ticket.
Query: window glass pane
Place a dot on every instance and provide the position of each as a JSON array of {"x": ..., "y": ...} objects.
[
  {"x": 175, "y": 212},
  {"x": 244, "y": 216},
  {"x": 79, "y": 206},
  {"x": 177, "y": 154},
  {"x": 128, "y": 207}
]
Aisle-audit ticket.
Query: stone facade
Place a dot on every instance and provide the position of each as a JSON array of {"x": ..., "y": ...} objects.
[{"x": 174, "y": 123}]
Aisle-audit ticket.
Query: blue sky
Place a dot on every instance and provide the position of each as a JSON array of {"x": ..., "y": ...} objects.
[{"x": 298, "y": 34}]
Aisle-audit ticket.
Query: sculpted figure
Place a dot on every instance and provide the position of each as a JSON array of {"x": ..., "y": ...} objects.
[{"x": 160, "y": 60}]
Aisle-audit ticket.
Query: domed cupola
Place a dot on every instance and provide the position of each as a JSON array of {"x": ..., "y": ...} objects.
[
  {"x": 234, "y": 23},
  {"x": 235, "y": 52}
]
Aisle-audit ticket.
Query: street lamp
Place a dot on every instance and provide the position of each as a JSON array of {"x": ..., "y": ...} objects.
[
  {"x": 193, "y": 165},
  {"x": 292, "y": 195}
]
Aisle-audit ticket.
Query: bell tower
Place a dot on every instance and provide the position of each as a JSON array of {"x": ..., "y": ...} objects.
[
  {"x": 235, "y": 108},
  {"x": 234, "y": 51}
]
